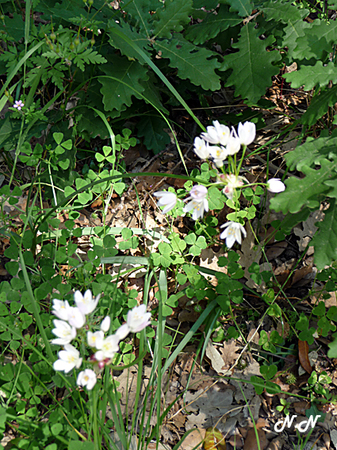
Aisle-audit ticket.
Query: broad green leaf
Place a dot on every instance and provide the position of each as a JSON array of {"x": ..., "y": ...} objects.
[
  {"x": 310, "y": 76},
  {"x": 304, "y": 191},
  {"x": 325, "y": 239},
  {"x": 14, "y": 26},
  {"x": 252, "y": 66},
  {"x": 292, "y": 32},
  {"x": 140, "y": 11},
  {"x": 313, "y": 151},
  {"x": 332, "y": 352},
  {"x": 319, "y": 106},
  {"x": 283, "y": 11},
  {"x": 122, "y": 82},
  {"x": 138, "y": 37},
  {"x": 243, "y": 7},
  {"x": 171, "y": 17},
  {"x": 212, "y": 25},
  {"x": 152, "y": 129},
  {"x": 193, "y": 63},
  {"x": 317, "y": 40}
]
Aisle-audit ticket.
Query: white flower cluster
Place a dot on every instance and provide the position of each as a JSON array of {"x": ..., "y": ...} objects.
[
  {"x": 217, "y": 144},
  {"x": 73, "y": 318},
  {"x": 198, "y": 204}
]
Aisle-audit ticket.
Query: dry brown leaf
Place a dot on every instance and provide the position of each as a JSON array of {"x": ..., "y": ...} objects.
[
  {"x": 300, "y": 407},
  {"x": 251, "y": 441},
  {"x": 195, "y": 438},
  {"x": 303, "y": 356},
  {"x": 276, "y": 250},
  {"x": 276, "y": 444}
]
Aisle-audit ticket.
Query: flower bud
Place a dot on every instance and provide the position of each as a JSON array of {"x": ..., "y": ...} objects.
[{"x": 77, "y": 41}]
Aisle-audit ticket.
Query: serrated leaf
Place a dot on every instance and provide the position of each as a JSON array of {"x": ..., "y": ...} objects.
[
  {"x": 212, "y": 25},
  {"x": 252, "y": 66},
  {"x": 325, "y": 239},
  {"x": 89, "y": 56},
  {"x": 243, "y": 7},
  {"x": 310, "y": 76},
  {"x": 138, "y": 37},
  {"x": 140, "y": 11},
  {"x": 152, "y": 129},
  {"x": 313, "y": 151},
  {"x": 193, "y": 63},
  {"x": 304, "y": 191},
  {"x": 122, "y": 82},
  {"x": 283, "y": 11},
  {"x": 14, "y": 26},
  {"x": 319, "y": 106},
  {"x": 171, "y": 17},
  {"x": 317, "y": 40},
  {"x": 292, "y": 32}
]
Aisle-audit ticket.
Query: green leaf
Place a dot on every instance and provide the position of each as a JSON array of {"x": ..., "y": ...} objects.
[
  {"x": 193, "y": 63},
  {"x": 243, "y": 7},
  {"x": 312, "y": 75},
  {"x": 252, "y": 66},
  {"x": 171, "y": 17},
  {"x": 122, "y": 82},
  {"x": 319, "y": 106},
  {"x": 14, "y": 26},
  {"x": 332, "y": 352},
  {"x": 325, "y": 239},
  {"x": 80, "y": 445},
  {"x": 152, "y": 129},
  {"x": 304, "y": 191},
  {"x": 268, "y": 372},
  {"x": 89, "y": 56},
  {"x": 138, "y": 37},
  {"x": 317, "y": 40},
  {"x": 284, "y": 11},
  {"x": 58, "y": 137},
  {"x": 212, "y": 25},
  {"x": 313, "y": 151},
  {"x": 319, "y": 310}
]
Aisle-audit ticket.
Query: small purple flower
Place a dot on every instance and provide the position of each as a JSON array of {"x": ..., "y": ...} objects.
[{"x": 18, "y": 104}]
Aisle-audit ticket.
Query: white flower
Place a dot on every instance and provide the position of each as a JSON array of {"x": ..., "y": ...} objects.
[
  {"x": 167, "y": 199},
  {"x": 18, "y": 104},
  {"x": 107, "y": 348},
  {"x": 86, "y": 303},
  {"x": 138, "y": 318},
  {"x": 232, "y": 233},
  {"x": 201, "y": 148},
  {"x": 232, "y": 182},
  {"x": 233, "y": 144},
  {"x": 219, "y": 154},
  {"x": 64, "y": 332},
  {"x": 86, "y": 378},
  {"x": 105, "y": 325},
  {"x": 218, "y": 134},
  {"x": 60, "y": 309},
  {"x": 123, "y": 331},
  {"x": 95, "y": 339},
  {"x": 246, "y": 132},
  {"x": 275, "y": 185},
  {"x": 199, "y": 202},
  {"x": 68, "y": 359},
  {"x": 75, "y": 317}
]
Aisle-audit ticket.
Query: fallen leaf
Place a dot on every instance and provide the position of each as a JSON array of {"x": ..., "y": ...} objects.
[
  {"x": 303, "y": 356},
  {"x": 214, "y": 440},
  {"x": 276, "y": 444},
  {"x": 194, "y": 440},
  {"x": 251, "y": 441}
]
